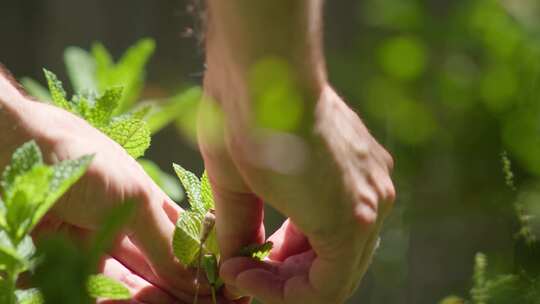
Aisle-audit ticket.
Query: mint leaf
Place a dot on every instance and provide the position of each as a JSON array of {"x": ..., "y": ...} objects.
[
  {"x": 100, "y": 115},
  {"x": 23, "y": 159},
  {"x": 29, "y": 296},
  {"x": 101, "y": 286},
  {"x": 141, "y": 112},
  {"x": 8, "y": 253},
  {"x": 132, "y": 134},
  {"x": 103, "y": 60},
  {"x": 257, "y": 251},
  {"x": 26, "y": 194},
  {"x": 206, "y": 192},
  {"x": 128, "y": 72},
  {"x": 58, "y": 94},
  {"x": 192, "y": 187},
  {"x": 180, "y": 106},
  {"x": 210, "y": 266},
  {"x": 186, "y": 237},
  {"x": 35, "y": 89},
  {"x": 64, "y": 175},
  {"x": 81, "y": 69}
]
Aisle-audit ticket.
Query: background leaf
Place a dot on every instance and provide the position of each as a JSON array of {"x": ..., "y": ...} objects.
[
  {"x": 165, "y": 181},
  {"x": 81, "y": 69},
  {"x": 35, "y": 89}
]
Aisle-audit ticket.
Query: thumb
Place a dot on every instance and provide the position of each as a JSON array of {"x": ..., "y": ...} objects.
[{"x": 239, "y": 212}]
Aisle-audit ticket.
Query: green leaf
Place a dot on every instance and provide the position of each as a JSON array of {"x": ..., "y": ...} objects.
[
  {"x": 29, "y": 296},
  {"x": 101, "y": 286},
  {"x": 35, "y": 89},
  {"x": 257, "y": 251},
  {"x": 81, "y": 69},
  {"x": 174, "y": 108},
  {"x": 65, "y": 174},
  {"x": 211, "y": 245},
  {"x": 132, "y": 134},
  {"x": 100, "y": 115},
  {"x": 128, "y": 73},
  {"x": 103, "y": 61},
  {"x": 23, "y": 160},
  {"x": 9, "y": 256},
  {"x": 27, "y": 193},
  {"x": 58, "y": 94},
  {"x": 108, "y": 229},
  {"x": 169, "y": 184},
  {"x": 186, "y": 237},
  {"x": 206, "y": 192},
  {"x": 141, "y": 111},
  {"x": 210, "y": 266},
  {"x": 192, "y": 187},
  {"x": 26, "y": 248},
  {"x": 62, "y": 273}
]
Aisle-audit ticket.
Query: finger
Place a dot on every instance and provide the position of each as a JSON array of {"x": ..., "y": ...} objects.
[
  {"x": 333, "y": 272},
  {"x": 239, "y": 213},
  {"x": 141, "y": 290},
  {"x": 151, "y": 231},
  {"x": 287, "y": 241},
  {"x": 369, "y": 252},
  {"x": 285, "y": 282},
  {"x": 132, "y": 258},
  {"x": 171, "y": 209}
]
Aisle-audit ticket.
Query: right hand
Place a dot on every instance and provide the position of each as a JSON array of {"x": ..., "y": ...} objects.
[{"x": 337, "y": 200}]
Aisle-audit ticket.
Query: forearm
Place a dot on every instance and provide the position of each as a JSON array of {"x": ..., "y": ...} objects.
[{"x": 242, "y": 33}]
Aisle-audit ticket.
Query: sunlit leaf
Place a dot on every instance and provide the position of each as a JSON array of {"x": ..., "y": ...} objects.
[
  {"x": 186, "y": 237},
  {"x": 56, "y": 89},
  {"x": 131, "y": 134}
]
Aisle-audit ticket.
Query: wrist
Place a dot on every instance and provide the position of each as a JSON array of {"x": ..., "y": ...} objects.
[{"x": 242, "y": 35}]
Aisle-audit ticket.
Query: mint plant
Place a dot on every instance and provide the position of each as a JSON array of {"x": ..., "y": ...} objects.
[
  {"x": 106, "y": 96},
  {"x": 128, "y": 130},
  {"x": 194, "y": 241},
  {"x": 29, "y": 188}
]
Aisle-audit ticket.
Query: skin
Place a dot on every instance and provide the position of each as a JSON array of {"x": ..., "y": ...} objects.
[
  {"x": 142, "y": 257},
  {"x": 337, "y": 196}
]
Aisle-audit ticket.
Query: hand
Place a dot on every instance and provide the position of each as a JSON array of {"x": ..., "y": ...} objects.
[
  {"x": 142, "y": 258},
  {"x": 337, "y": 199}
]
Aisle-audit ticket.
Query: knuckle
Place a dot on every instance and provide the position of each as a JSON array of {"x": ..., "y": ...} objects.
[{"x": 389, "y": 160}]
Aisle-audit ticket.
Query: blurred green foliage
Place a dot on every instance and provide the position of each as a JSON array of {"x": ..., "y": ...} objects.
[{"x": 448, "y": 86}]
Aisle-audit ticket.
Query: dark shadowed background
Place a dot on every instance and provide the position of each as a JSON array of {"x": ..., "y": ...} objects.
[{"x": 449, "y": 87}]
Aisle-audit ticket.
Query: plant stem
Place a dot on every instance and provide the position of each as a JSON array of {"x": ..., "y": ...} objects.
[
  {"x": 197, "y": 283},
  {"x": 11, "y": 279},
  {"x": 213, "y": 291}
]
